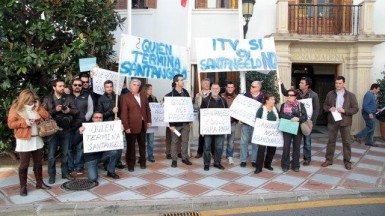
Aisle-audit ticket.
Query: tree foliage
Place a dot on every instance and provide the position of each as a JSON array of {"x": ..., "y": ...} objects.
[
  {"x": 42, "y": 40},
  {"x": 381, "y": 97}
]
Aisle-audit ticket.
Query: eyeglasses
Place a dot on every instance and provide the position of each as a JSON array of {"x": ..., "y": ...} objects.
[
  {"x": 85, "y": 81},
  {"x": 77, "y": 85}
]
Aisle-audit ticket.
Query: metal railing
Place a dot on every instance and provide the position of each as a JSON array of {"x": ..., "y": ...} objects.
[{"x": 324, "y": 19}]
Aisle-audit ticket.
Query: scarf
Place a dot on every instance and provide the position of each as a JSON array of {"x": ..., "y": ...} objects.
[
  {"x": 265, "y": 111},
  {"x": 287, "y": 109}
]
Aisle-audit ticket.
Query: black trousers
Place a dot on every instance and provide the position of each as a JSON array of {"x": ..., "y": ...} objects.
[
  {"x": 131, "y": 154},
  {"x": 288, "y": 141},
  {"x": 261, "y": 159}
]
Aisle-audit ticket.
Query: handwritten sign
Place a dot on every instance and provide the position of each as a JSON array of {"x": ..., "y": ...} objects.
[
  {"x": 102, "y": 75},
  {"x": 308, "y": 105},
  {"x": 142, "y": 57},
  {"x": 102, "y": 136},
  {"x": 157, "y": 115},
  {"x": 244, "y": 109},
  {"x": 266, "y": 133},
  {"x": 87, "y": 64},
  {"x": 288, "y": 126},
  {"x": 178, "y": 109},
  {"x": 222, "y": 54},
  {"x": 215, "y": 121}
]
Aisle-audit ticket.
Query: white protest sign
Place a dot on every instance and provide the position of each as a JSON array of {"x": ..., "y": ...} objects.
[
  {"x": 266, "y": 133},
  {"x": 178, "y": 109},
  {"x": 102, "y": 75},
  {"x": 157, "y": 115},
  {"x": 142, "y": 57},
  {"x": 308, "y": 103},
  {"x": 224, "y": 54},
  {"x": 215, "y": 121},
  {"x": 102, "y": 136},
  {"x": 152, "y": 130},
  {"x": 244, "y": 109}
]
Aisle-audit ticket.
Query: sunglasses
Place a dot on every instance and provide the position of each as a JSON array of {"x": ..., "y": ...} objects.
[
  {"x": 85, "y": 81},
  {"x": 77, "y": 85}
]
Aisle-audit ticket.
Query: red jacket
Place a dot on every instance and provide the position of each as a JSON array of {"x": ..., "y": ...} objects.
[{"x": 132, "y": 114}]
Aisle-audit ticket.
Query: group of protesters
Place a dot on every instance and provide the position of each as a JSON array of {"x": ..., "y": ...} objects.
[{"x": 70, "y": 108}]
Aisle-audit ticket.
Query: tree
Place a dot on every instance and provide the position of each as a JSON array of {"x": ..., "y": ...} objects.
[{"x": 42, "y": 40}]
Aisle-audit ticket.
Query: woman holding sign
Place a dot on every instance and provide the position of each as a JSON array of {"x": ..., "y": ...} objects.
[
  {"x": 266, "y": 112},
  {"x": 294, "y": 111}
]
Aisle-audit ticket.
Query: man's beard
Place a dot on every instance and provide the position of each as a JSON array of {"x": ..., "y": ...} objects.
[{"x": 230, "y": 94}]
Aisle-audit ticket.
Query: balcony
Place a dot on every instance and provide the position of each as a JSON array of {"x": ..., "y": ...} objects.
[{"x": 324, "y": 19}]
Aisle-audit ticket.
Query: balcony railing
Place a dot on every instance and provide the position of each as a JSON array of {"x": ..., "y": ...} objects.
[{"x": 324, "y": 19}]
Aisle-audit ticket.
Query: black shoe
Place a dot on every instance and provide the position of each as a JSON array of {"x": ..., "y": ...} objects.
[
  {"x": 306, "y": 162},
  {"x": 253, "y": 164},
  {"x": 243, "y": 164},
  {"x": 257, "y": 171},
  {"x": 285, "y": 169},
  {"x": 120, "y": 166},
  {"x": 130, "y": 169},
  {"x": 187, "y": 162},
  {"x": 179, "y": 155},
  {"x": 168, "y": 156},
  {"x": 51, "y": 180},
  {"x": 113, "y": 175},
  {"x": 219, "y": 166},
  {"x": 206, "y": 167},
  {"x": 371, "y": 145},
  {"x": 269, "y": 168},
  {"x": 143, "y": 166},
  {"x": 174, "y": 164},
  {"x": 152, "y": 161},
  {"x": 67, "y": 176},
  {"x": 105, "y": 168}
]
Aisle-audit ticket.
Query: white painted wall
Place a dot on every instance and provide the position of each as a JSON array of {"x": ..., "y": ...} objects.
[{"x": 378, "y": 50}]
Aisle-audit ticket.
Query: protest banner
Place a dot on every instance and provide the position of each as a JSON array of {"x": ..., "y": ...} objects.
[
  {"x": 266, "y": 133},
  {"x": 215, "y": 121},
  {"x": 142, "y": 57},
  {"x": 178, "y": 109},
  {"x": 101, "y": 75},
  {"x": 244, "y": 109},
  {"x": 102, "y": 136},
  {"x": 87, "y": 64},
  {"x": 157, "y": 115},
  {"x": 224, "y": 55},
  {"x": 308, "y": 103}
]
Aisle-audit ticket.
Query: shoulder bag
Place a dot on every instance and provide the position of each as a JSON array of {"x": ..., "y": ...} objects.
[
  {"x": 47, "y": 127},
  {"x": 306, "y": 126}
]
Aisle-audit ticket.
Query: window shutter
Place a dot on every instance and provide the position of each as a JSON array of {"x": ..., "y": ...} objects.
[{"x": 200, "y": 4}]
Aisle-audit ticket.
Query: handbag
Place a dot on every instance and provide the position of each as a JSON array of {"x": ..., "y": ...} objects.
[
  {"x": 47, "y": 127},
  {"x": 306, "y": 126}
]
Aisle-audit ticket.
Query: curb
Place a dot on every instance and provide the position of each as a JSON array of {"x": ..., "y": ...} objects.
[{"x": 183, "y": 205}]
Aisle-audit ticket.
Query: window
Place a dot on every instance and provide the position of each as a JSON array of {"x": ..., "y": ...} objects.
[
  {"x": 230, "y": 4},
  {"x": 136, "y": 4}
]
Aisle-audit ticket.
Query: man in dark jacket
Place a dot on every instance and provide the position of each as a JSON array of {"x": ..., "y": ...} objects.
[
  {"x": 61, "y": 107},
  {"x": 107, "y": 105},
  {"x": 305, "y": 92},
  {"x": 213, "y": 101},
  {"x": 182, "y": 127},
  {"x": 339, "y": 103}
]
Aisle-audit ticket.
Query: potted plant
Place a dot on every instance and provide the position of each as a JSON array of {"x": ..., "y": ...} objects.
[{"x": 381, "y": 104}]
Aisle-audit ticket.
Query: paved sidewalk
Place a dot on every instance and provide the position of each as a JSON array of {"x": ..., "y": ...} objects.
[{"x": 159, "y": 186}]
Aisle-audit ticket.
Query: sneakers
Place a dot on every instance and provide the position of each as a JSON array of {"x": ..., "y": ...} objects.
[{"x": 230, "y": 159}]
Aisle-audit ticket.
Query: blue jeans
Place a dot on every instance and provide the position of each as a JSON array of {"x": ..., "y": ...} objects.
[
  {"x": 75, "y": 151},
  {"x": 307, "y": 147},
  {"x": 150, "y": 146},
  {"x": 219, "y": 140},
  {"x": 246, "y": 134},
  {"x": 63, "y": 139},
  {"x": 368, "y": 131},
  {"x": 230, "y": 141},
  {"x": 108, "y": 157}
]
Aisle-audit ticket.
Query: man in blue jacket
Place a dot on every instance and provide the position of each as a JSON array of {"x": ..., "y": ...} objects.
[{"x": 369, "y": 109}]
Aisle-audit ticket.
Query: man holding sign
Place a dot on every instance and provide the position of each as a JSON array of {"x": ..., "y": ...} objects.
[
  {"x": 180, "y": 130},
  {"x": 311, "y": 101},
  {"x": 214, "y": 101},
  {"x": 92, "y": 159}
]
